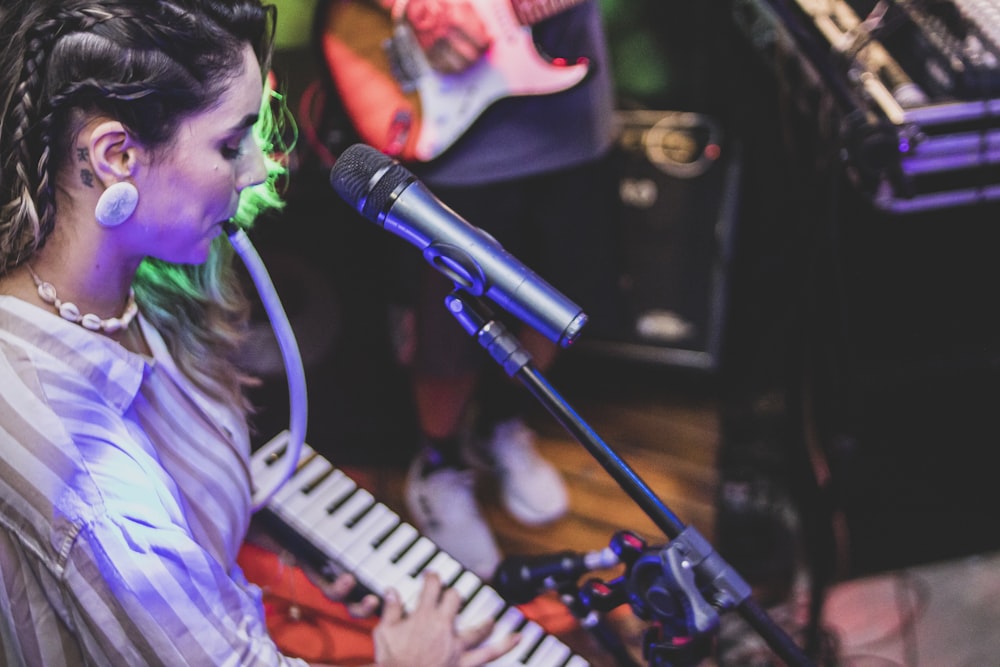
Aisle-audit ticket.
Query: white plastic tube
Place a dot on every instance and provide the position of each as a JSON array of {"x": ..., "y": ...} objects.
[{"x": 290, "y": 354}]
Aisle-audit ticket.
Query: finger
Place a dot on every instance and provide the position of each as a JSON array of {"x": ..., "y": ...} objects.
[
  {"x": 450, "y": 602},
  {"x": 392, "y": 606},
  {"x": 474, "y": 32},
  {"x": 488, "y": 652},
  {"x": 466, "y": 49},
  {"x": 474, "y": 636},
  {"x": 364, "y": 608},
  {"x": 467, "y": 19},
  {"x": 340, "y": 588},
  {"x": 431, "y": 591}
]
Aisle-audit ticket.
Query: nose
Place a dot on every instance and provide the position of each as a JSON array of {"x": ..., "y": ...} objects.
[{"x": 253, "y": 170}]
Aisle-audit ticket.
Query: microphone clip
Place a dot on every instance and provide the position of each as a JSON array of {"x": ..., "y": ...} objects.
[{"x": 479, "y": 322}]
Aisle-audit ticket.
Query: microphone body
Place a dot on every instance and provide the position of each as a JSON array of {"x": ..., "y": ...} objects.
[
  {"x": 389, "y": 195},
  {"x": 520, "y": 579}
]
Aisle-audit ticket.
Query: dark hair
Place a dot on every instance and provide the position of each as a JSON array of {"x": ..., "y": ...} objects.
[{"x": 149, "y": 64}]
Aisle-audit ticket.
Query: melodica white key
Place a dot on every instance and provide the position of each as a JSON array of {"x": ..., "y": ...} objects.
[
  {"x": 332, "y": 489},
  {"x": 509, "y": 622},
  {"x": 531, "y": 635},
  {"x": 309, "y": 486},
  {"x": 339, "y": 519},
  {"x": 335, "y": 526},
  {"x": 376, "y": 570},
  {"x": 442, "y": 564},
  {"x": 404, "y": 574},
  {"x": 550, "y": 651},
  {"x": 368, "y": 531},
  {"x": 297, "y": 515},
  {"x": 467, "y": 583},
  {"x": 268, "y": 463},
  {"x": 294, "y": 496},
  {"x": 404, "y": 569},
  {"x": 485, "y": 604}
]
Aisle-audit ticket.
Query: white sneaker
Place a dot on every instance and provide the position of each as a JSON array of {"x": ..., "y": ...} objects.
[
  {"x": 443, "y": 507},
  {"x": 531, "y": 488}
]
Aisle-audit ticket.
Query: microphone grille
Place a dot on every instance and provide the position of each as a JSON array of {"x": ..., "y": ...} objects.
[{"x": 352, "y": 174}]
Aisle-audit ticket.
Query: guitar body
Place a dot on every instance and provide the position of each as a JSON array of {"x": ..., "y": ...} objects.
[{"x": 401, "y": 105}]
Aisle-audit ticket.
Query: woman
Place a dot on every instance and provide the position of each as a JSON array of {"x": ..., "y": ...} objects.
[{"x": 127, "y": 138}]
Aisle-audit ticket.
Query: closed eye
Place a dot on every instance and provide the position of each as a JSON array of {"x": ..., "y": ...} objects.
[{"x": 236, "y": 148}]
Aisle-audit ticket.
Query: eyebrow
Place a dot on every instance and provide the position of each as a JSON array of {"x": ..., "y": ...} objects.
[{"x": 248, "y": 121}]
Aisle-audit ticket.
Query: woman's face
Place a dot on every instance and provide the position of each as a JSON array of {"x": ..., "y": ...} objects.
[{"x": 187, "y": 190}]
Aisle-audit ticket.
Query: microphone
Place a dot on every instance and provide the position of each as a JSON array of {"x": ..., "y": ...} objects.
[
  {"x": 519, "y": 579},
  {"x": 389, "y": 195}
]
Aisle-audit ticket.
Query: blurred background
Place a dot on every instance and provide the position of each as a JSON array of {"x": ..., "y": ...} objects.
[{"x": 808, "y": 366}]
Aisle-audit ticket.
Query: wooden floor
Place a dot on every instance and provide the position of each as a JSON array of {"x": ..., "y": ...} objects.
[{"x": 666, "y": 435}]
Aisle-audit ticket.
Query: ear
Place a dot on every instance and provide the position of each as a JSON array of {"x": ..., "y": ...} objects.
[{"x": 113, "y": 152}]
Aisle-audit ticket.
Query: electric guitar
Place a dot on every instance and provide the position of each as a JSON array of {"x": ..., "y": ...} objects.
[{"x": 399, "y": 104}]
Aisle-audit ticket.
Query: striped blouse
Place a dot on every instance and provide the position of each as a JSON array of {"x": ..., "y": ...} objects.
[{"x": 124, "y": 498}]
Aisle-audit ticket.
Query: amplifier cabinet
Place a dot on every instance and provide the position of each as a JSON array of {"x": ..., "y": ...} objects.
[{"x": 678, "y": 192}]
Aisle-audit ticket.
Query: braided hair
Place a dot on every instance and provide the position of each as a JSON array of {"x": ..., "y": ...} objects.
[{"x": 148, "y": 64}]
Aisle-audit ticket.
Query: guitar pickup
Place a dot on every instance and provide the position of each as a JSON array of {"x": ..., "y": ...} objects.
[{"x": 404, "y": 56}]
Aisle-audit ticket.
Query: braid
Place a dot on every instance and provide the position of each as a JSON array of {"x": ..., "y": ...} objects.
[
  {"x": 30, "y": 196},
  {"x": 30, "y": 213}
]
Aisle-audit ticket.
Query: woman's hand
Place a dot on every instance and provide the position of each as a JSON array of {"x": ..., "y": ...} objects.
[
  {"x": 427, "y": 637},
  {"x": 338, "y": 590},
  {"x": 450, "y": 33}
]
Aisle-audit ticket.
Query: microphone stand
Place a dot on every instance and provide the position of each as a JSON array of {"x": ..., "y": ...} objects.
[{"x": 688, "y": 550}]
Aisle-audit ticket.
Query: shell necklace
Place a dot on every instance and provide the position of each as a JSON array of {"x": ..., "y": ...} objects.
[{"x": 71, "y": 312}]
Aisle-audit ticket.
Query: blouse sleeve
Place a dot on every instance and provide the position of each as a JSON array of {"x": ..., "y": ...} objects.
[{"x": 146, "y": 594}]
